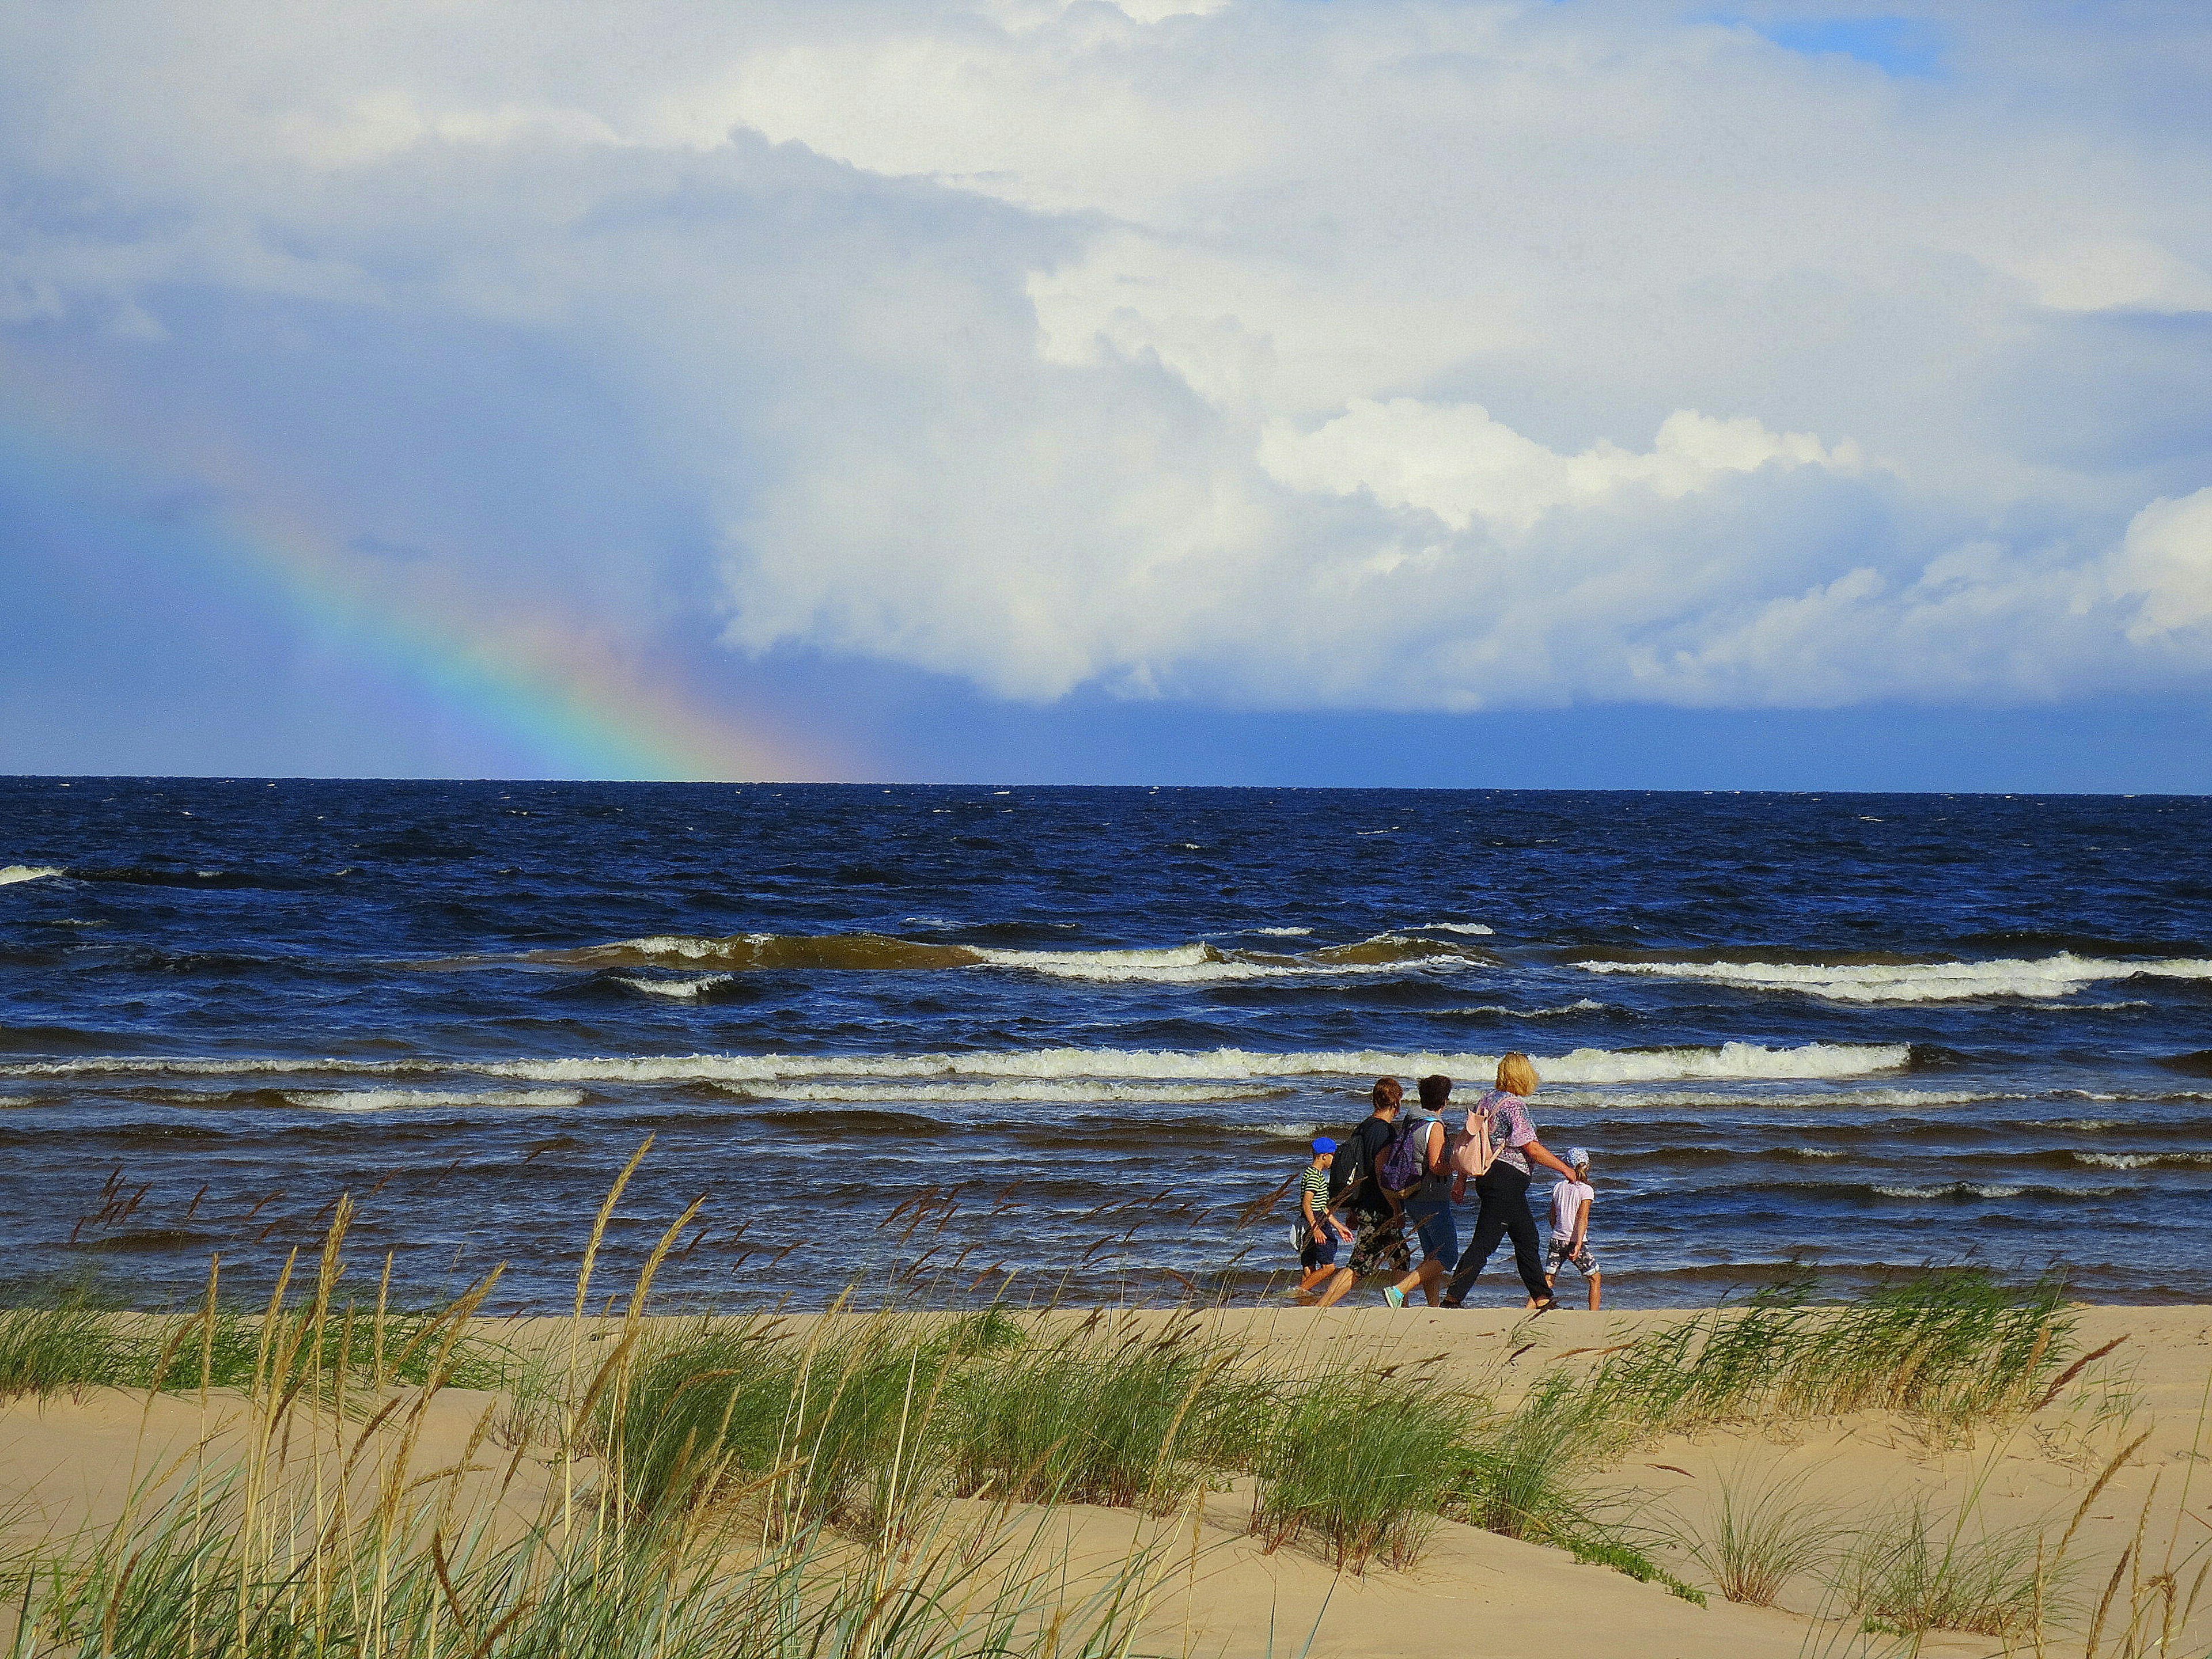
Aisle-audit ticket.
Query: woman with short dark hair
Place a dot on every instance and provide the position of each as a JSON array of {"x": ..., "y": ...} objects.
[{"x": 1428, "y": 1202}]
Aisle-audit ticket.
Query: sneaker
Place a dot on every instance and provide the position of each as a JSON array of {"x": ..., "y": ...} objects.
[{"x": 1394, "y": 1295}]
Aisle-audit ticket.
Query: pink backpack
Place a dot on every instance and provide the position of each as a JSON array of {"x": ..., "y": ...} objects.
[{"x": 1473, "y": 1150}]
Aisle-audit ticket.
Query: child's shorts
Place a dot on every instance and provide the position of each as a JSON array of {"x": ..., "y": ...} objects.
[
  {"x": 1563, "y": 1251},
  {"x": 1320, "y": 1251}
]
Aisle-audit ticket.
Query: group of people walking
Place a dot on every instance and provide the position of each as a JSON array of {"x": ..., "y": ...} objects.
[{"x": 1390, "y": 1189}]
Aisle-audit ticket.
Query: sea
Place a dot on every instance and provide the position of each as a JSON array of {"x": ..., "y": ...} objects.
[{"x": 966, "y": 1043}]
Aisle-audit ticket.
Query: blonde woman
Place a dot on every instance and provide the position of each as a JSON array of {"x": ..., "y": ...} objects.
[{"x": 1502, "y": 1191}]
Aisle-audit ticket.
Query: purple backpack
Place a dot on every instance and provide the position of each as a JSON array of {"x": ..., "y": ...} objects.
[{"x": 1405, "y": 1160}]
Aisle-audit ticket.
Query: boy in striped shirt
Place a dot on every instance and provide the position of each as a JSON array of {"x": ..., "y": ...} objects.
[{"x": 1319, "y": 1232}]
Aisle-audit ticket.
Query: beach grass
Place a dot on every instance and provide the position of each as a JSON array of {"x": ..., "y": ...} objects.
[
  {"x": 768, "y": 1485},
  {"x": 69, "y": 1345},
  {"x": 1913, "y": 1569},
  {"x": 199, "y": 1578},
  {"x": 1947, "y": 1348},
  {"x": 1760, "y": 1536},
  {"x": 1119, "y": 1412},
  {"x": 1362, "y": 1465},
  {"x": 707, "y": 1405},
  {"x": 312, "y": 1533},
  {"x": 45, "y": 1351},
  {"x": 1518, "y": 1473}
]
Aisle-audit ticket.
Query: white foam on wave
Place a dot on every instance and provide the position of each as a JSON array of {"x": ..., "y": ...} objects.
[
  {"x": 697, "y": 985},
  {"x": 1170, "y": 964},
  {"x": 2158, "y": 1097},
  {"x": 2043, "y": 978},
  {"x": 1279, "y": 933},
  {"x": 1203, "y": 963},
  {"x": 1953, "y": 1189},
  {"x": 1197, "y": 961},
  {"x": 683, "y": 946},
  {"x": 387, "y": 1100},
  {"x": 1021, "y": 1089},
  {"x": 2142, "y": 1160},
  {"x": 1732, "y": 1060},
  {"x": 1838, "y": 1099},
  {"x": 1454, "y": 928},
  {"x": 1583, "y": 1005},
  {"x": 1740, "y": 1061},
  {"x": 12, "y": 873}
]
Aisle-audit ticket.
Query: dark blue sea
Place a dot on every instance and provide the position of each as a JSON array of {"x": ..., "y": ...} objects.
[{"x": 971, "y": 1042}]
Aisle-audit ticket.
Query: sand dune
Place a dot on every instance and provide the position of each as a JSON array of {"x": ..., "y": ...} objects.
[{"x": 69, "y": 1464}]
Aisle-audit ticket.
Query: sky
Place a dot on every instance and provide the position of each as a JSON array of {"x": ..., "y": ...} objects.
[{"x": 1279, "y": 391}]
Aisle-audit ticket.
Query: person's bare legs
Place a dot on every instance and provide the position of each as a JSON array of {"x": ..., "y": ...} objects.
[
  {"x": 1428, "y": 1278},
  {"x": 1423, "y": 1277},
  {"x": 1340, "y": 1283},
  {"x": 1594, "y": 1280},
  {"x": 1314, "y": 1276}
]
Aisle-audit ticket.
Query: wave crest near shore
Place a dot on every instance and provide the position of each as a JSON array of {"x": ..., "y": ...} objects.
[
  {"x": 385, "y": 1100},
  {"x": 1079, "y": 1092},
  {"x": 2041, "y": 978},
  {"x": 1728, "y": 1060},
  {"x": 1195, "y": 962}
]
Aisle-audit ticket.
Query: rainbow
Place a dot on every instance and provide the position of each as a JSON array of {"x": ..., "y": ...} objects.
[
  {"x": 570, "y": 691},
  {"x": 592, "y": 704}
]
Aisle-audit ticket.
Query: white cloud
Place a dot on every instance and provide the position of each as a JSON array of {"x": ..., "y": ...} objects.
[
  {"x": 1381, "y": 354},
  {"x": 2122, "y": 273},
  {"x": 1457, "y": 463},
  {"x": 2165, "y": 563}
]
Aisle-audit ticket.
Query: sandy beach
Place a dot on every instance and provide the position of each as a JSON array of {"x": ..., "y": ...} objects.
[{"x": 2128, "y": 1427}]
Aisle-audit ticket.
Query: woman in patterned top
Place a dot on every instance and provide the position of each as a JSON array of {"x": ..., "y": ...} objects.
[{"x": 1502, "y": 1191}]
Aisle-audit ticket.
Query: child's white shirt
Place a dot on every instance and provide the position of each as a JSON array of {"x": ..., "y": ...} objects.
[{"x": 1568, "y": 1198}]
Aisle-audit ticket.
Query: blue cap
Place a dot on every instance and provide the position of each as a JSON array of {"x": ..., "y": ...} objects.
[{"x": 1323, "y": 1143}]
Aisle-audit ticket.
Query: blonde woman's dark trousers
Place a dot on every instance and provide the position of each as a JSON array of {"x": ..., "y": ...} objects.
[{"x": 1502, "y": 1194}]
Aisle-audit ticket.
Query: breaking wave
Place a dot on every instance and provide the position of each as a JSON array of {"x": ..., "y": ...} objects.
[
  {"x": 1846, "y": 1099},
  {"x": 1952, "y": 1189},
  {"x": 385, "y": 1100},
  {"x": 12, "y": 873},
  {"x": 1728, "y": 1060},
  {"x": 1584, "y": 1006},
  {"x": 2042, "y": 978},
  {"x": 1200, "y": 961},
  {"x": 696, "y": 986},
  {"x": 1026, "y": 1093}
]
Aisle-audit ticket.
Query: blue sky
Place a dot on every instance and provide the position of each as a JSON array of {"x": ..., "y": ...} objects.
[
  {"x": 1585, "y": 394},
  {"x": 1898, "y": 46}
]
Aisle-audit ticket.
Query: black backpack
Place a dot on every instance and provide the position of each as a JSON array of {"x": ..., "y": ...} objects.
[{"x": 1350, "y": 1167}]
